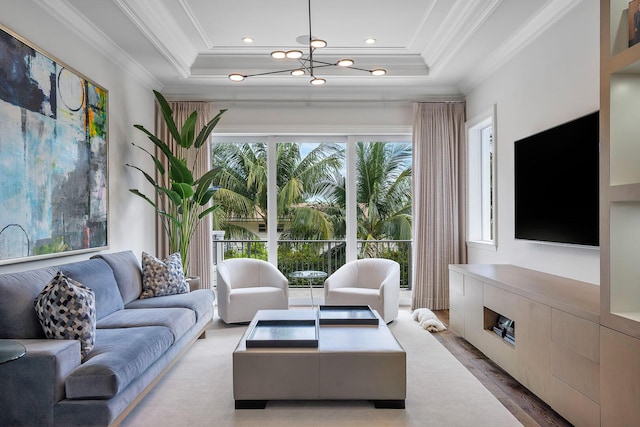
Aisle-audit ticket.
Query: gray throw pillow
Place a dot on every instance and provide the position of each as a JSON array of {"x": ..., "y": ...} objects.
[
  {"x": 67, "y": 311},
  {"x": 162, "y": 277}
]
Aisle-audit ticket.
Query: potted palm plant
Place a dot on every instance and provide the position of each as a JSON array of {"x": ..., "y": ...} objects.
[{"x": 183, "y": 199}]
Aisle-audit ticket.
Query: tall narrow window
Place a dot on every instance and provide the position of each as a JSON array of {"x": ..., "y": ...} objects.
[{"x": 482, "y": 185}]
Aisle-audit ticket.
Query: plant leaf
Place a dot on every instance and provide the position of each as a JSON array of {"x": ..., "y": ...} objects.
[
  {"x": 146, "y": 175},
  {"x": 204, "y": 182},
  {"x": 207, "y": 195},
  {"x": 184, "y": 190},
  {"x": 158, "y": 163},
  {"x": 139, "y": 194},
  {"x": 179, "y": 171},
  {"x": 207, "y": 212},
  {"x": 206, "y": 131},
  {"x": 157, "y": 141},
  {"x": 188, "y": 130},
  {"x": 174, "y": 196},
  {"x": 167, "y": 114}
]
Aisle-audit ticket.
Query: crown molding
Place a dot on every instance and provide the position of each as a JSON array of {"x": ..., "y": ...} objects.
[
  {"x": 159, "y": 27},
  {"x": 66, "y": 14},
  {"x": 196, "y": 24},
  {"x": 461, "y": 23},
  {"x": 552, "y": 12}
]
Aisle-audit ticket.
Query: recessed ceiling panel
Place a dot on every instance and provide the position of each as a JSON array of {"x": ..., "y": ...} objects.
[{"x": 343, "y": 24}]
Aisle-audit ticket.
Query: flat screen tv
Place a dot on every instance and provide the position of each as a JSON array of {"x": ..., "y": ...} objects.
[{"x": 556, "y": 184}]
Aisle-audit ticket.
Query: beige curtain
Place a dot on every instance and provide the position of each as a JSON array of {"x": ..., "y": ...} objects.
[
  {"x": 200, "y": 251},
  {"x": 439, "y": 202}
]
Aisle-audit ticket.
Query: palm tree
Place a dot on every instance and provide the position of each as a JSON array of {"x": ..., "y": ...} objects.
[
  {"x": 301, "y": 184},
  {"x": 383, "y": 191}
]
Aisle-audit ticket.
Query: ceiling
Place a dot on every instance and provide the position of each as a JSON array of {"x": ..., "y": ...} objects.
[{"x": 430, "y": 48}]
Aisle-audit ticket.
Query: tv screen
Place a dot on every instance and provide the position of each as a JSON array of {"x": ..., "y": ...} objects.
[{"x": 556, "y": 184}]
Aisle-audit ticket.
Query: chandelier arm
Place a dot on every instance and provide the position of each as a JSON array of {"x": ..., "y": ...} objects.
[
  {"x": 359, "y": 69},
  {"x": 271, "y": 72},
  {"x": 311, "y": 48}
]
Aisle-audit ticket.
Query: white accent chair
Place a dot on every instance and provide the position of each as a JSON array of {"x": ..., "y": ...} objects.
[
  {"x": 371, "y": 281},
  {"x": 246, "y": 285}
]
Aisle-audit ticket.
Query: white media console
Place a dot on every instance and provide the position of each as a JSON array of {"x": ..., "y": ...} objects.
[{"x": 556, "y": 350}]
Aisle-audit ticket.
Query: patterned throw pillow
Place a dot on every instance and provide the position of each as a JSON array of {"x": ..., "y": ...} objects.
[
  {"x": 160, "y": 278},
  {"x": 67, "y": 311}
]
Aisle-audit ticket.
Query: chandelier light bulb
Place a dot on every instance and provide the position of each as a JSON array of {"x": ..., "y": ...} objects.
[
  {"x": 379, "y": 72},
  {"x": 298, "y": 72},
  {"x": 345, "y": 62},
  {"x": 293, "y": 54},
  {"x": 318, "y": 43},
  {"x": 318, "y": 81},
  {"x": 235, "y": 77},
  {"x": 278, "y": 54}
]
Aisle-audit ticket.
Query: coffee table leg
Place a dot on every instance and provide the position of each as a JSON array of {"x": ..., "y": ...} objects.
[
  {"x": 251, "y": 404},
  {"x": 389, "y": 404}
]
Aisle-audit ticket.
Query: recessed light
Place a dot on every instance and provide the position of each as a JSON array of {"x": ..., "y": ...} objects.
[
  {"x": 370, "y": 40},
  {"x": 247, "y": 39}
]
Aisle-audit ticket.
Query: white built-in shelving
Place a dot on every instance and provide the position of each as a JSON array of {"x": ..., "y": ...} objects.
[{"x": 620, "y": 217}]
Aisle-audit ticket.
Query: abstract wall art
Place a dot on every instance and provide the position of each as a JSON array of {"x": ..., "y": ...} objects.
[{"x": 53, "y": 156}]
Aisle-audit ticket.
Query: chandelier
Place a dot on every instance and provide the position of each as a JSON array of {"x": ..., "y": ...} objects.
[{"x": 307, "y": 64}]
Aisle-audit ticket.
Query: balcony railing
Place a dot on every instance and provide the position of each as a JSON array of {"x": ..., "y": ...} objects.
[{"x": 321, "y": 255}]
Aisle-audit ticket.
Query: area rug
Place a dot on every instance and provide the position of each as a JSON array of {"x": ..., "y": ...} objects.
[{"x": 197, "y": 391}]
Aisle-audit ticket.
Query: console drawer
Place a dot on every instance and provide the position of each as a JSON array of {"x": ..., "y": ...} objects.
[
  {"x": 579, "y": 335},
  {"x": 576, "y": 370}
]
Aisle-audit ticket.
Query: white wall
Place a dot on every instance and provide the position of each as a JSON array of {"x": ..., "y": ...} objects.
[
  {"x": 278, "y": 118},
  {"x": 553, "y": 80},
  {"x": 131, "y": 221}
]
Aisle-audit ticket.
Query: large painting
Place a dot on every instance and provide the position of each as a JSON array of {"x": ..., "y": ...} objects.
[{"x": 53, "y": 156}]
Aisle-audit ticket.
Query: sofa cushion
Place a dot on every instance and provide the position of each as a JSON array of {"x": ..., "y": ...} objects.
[
  {"x": 162, "y": 277},
  {"x": 118, "y": 358},
  {"x": 67, "y": 311},
  {"x": 200, "y": 301},
  {"x": 98, "y": 276},
  {"x": 17, "y": 292},
  {"x": 178, "y": 320},
  {"x": 126, "y": 270}
]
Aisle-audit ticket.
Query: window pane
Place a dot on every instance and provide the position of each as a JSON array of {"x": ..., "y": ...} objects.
[
  {"x": 383, "y": 202},
  {"x": 240, "y": 204},
  {"x": 310, "y": 182},
  {"x": 486, "y": 136}
]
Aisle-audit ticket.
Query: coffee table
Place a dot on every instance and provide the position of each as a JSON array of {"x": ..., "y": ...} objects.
[{"x": 350, "y": 362}]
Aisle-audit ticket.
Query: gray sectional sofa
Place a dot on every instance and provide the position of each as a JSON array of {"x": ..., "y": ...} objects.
[{"x": 136, "y": 342}]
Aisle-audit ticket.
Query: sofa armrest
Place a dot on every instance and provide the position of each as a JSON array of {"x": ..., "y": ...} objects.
[{"x": 31, "y": 386}]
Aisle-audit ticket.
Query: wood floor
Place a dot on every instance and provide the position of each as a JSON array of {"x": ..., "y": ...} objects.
[{"x": 524, "y": 405}]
